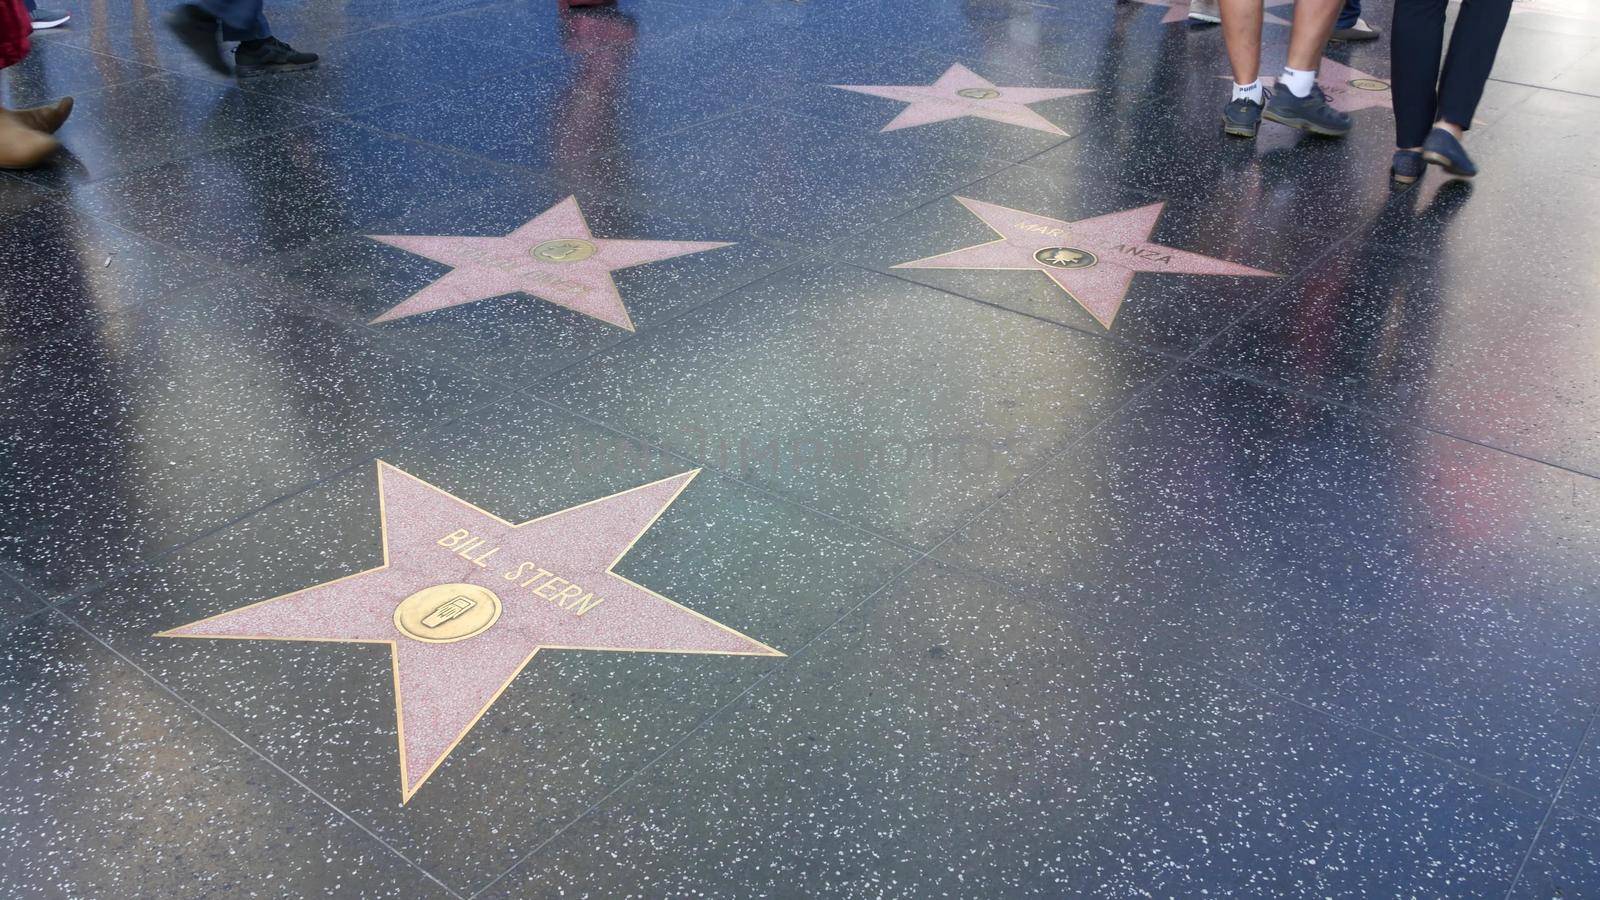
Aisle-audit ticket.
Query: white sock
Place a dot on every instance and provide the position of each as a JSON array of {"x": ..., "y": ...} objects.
[
  {"x": 1298, "y": 81},
  {"x": 1251, "y": 91}
]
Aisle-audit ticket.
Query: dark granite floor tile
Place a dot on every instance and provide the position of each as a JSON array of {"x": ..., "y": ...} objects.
[
  {"x": 1565, "y": 863},
  {"x": 1419, "y": 586},
  {"x": 1478, "y": 341},
  {"x": 611, "y": 32},
  {"x": 1582, "y": 792},
  {"x": 895, "y": 407},
  {"x": 139, "y": 124},
  {"x": 388, "y": 65},
  {"x": 150, "y": 427},
  {"x": 287, "y": 191},
  {"x": 66, "y": 270},
  {"x": 1166, "y": 309},
  {"x": 558, "y": 116},
  {"x": 567, "y": 730},
  {"x": 517, "y": 337},
  {"x": 955, "y": 739},
  {"x": 787, "y": 178},
  {"x": 54, "y": 70},
  {"x": 17, "y": 606},
  {"x": 114, "y": 789}
]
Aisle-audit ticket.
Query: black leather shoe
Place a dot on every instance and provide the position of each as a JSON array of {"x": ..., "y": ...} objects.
[{"x": 269, "y": 56}]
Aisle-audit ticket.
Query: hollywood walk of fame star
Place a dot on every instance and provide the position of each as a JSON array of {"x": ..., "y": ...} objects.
[
  {"x": 960, "y": 92},
  {"x": 465, "y": 599},
  {"x": 1178, "y": 10},
  {"x": 1093, "y": 260},
  {"x": 1348, "y": 89},
  {"x": 553, "y": 257}
]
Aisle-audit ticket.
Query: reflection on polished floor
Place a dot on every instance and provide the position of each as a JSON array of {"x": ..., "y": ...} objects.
[{"x": 792, "y": 448}]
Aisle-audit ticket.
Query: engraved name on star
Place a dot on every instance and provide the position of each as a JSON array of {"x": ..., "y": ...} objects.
[
  {"x": 959, "y": 93},
  {"x": 465, "y": 599},
  {"x": 1178, "y": 10},
  {"x": 553, "y": 257},
  {"x": 1093, "y": 260}
]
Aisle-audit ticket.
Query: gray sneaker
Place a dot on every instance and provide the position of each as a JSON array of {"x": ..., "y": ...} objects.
[
  {"x": 1309, "y": 113},
  {"x": 1241, "y": 118}
]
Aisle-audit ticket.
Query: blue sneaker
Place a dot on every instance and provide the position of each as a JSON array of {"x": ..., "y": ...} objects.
[
  {"x": 1309, "y": 113},
  {"x": 1242, "y": 118},
  {"x": 1407, "y": 166},
  {"x": 1443, "y": 150}
]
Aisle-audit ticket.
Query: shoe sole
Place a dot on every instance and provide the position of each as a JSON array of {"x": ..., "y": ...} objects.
[
  {"x": 53, "y": 23},
  {"x": 258, "y": 71},
  {"x": 1237, "y": 130},
  {"x": 1357, "y": 38},
  {"x": 1209, "y": 20},
  {"x": 1304, "y": 125},
  {"x": 1439, "y": 159},
  {"x": 1404, "y": 179}
]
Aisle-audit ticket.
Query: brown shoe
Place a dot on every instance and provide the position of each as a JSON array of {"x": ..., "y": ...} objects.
[
  {"x": 44, "y": 119},
  {"x": 21, "y": 147}
]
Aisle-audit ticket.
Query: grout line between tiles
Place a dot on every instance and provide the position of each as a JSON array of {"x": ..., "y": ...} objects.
[{"x": 1549, "y": 810}]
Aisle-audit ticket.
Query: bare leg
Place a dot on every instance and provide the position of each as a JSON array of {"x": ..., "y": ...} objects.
[
  {"x": 1313, "y": 22},
  {"x": 1241, "y": 28}
]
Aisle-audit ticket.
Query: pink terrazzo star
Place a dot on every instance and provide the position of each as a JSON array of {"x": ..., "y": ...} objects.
[
  {"x": 1093, "y": 260},
  {"x": 960, "y": 92},
  {"x": 1178, "y": 10},
  {"x": 1348, "y": 89},
  {"x": 553, "y": 257},
  {"x": 464, "y": 599}
]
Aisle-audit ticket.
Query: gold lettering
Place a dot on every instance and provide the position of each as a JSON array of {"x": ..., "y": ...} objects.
[
  {"x": 588, "y": 602},
  {"x": 521, "y": 570},
  {"x": 536, "y": 576},
  {"x": 567, "y": 593},
  {"x": 540, "y": 590},
  {"x": 450, "y": 540}
]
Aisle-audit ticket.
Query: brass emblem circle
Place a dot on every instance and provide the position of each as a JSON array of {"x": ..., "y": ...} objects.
[
  {"x": 565, "y": 250},
  {"x": 447, "y": 612},
  {"x": 978, "y": 93},
  {"x": 1369, "y": 84},
  {"x": 1066, "y": 258}
]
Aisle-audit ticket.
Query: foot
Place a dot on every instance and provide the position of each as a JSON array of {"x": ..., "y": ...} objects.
[
  {"x": 1407, "y": 166},
  {"x": 1360, "y": 31},
  {"x": 1242, "y": 118},
  {"x": 1309, "y": 113},
  {"x": 49, "y": 18},
  {"x": 1443, "y": 150},
  {"x": 269, "y": 56},
  {"x": 197, "y": 29},
  {"x": 43, "y": 119},
  {"x": 21, "y": 147},
  {"x": 1205, "y": 11}
]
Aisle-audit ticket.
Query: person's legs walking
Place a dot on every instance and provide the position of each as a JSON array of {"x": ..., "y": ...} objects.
[
  {"x": 1416, "y": 44},
  {"x": 1241, "y": 32},
  {"x": 245, "y": 21},
  {"x": 1298, "y": 102},
  {"x": 1473, "y": 44}
]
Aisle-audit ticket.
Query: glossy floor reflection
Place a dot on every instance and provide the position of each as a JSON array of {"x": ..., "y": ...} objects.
[{"x": 1241, "y": 544}]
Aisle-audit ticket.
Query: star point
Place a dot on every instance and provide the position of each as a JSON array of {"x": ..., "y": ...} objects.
[
  {"x": 465, "y": 600},
  {"x": 553, "y": 256}
]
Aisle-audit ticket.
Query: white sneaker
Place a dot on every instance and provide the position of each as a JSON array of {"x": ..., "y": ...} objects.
[{"x": 1205, "y": 11}]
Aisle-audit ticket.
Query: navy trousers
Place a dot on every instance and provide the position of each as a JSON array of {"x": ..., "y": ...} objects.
[
  {"x": 1422, "y": 93},
  {"x": 242, "y": 20}
]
